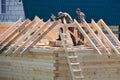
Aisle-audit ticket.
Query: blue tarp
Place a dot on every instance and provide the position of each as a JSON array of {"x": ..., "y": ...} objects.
[{"x": 108, "y": 10}]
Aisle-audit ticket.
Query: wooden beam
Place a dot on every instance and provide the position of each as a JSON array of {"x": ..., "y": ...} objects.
[
  {"x": 102, "y": 23},
  {"x": 76, "y": 36},
  {"x": 96, "y": 37},
  {"x": 23, "y": 36},
  {"x": 18, "y": 49},
  {"x": 86, "y": 36},
  {"x": 41, "y": 33},
  {"x": 12, "y": 36},
  {"x": 30, "y": 38},
  {"x": 17, "y": 32},
  {"x": 52, "y": 35},
  {"x": 104, "y": 47},
  {"x": 92, "y": 33},
  {"x": 106, "y": 40}
]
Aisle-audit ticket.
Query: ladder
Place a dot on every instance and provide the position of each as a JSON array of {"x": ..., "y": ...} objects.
[
  {"x": 71, "y": 55},
  {"x": 72, "y": 58}
]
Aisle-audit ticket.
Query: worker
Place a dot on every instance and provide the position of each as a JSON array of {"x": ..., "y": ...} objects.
[
  {"x": 80, "y": 19},
  {"x": 67, "y": 17},
  {"x": 80, "y": 15}
]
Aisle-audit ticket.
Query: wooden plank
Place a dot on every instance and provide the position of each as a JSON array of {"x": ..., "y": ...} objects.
[
  {"x": 53, "y": 34},
  {"x": 5, "y": 34},
  {"x": 102, "y": 23},
  {"x": 94, "y": 29},
  {"x": 3, "y": 28},
  {"x": 105, "y": 38}
]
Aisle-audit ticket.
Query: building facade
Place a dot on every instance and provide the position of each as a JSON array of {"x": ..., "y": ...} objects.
[{"x": 11, "y": 10}]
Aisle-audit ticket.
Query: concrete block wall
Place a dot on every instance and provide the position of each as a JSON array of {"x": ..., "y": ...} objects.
[{"x": 14, "y": 11}]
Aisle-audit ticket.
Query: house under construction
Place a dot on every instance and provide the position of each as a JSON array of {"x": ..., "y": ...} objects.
[{"x": 29, "y": 51}]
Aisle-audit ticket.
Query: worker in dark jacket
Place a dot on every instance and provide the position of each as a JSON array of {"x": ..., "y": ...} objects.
[
  {"x": 80, "y": 19},
  {"x": 80, "y": 16}
]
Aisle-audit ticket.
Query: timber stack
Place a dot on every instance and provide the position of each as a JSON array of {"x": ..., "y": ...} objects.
[{"x": 29, "y": 51}]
